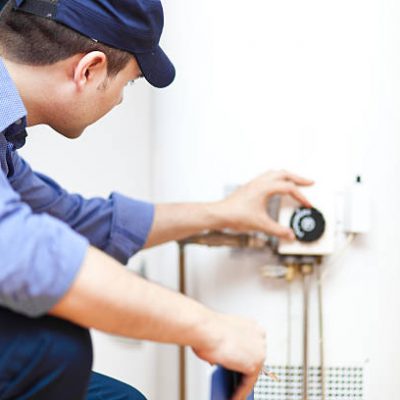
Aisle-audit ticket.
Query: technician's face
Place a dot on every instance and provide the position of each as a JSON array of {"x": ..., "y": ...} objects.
[{"x": 95, "y": 102}]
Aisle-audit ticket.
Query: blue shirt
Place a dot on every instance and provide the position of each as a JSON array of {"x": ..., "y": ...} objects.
[{"x": 45, "y": 231}]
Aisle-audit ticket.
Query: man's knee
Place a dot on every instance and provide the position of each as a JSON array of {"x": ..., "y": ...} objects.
[
  {"x": 104, "y": 387},
  {"x": 130, "y": 393},
  {"x": 133, "y": 394},
  {"x": 69, "y": 350},
  {"x": 67, "y": 364},
  {"x": 45, "y": 358}
]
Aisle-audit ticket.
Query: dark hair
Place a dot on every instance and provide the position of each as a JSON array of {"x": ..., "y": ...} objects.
[{"x": 31, "y": 40}]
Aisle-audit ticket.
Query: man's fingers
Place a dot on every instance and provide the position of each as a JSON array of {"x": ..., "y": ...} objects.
[
  {"x": 296, "y": 194},
  {"x": 290, "y": 189},
  {"x": 273, "y": 228},
  {"x": 246, "y": 387},
  {"x": 297, "y": 179}
]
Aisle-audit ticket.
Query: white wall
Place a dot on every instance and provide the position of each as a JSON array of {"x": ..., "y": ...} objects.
[{"x": 311, "y": 86}]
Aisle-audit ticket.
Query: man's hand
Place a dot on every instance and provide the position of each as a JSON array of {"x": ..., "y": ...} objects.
[
  {"x": 245, "y": 209},
  {"x": 237, "y": 344}
]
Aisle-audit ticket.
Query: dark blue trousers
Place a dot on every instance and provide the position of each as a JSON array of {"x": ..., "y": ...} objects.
[{"x": 51, "y": 359}]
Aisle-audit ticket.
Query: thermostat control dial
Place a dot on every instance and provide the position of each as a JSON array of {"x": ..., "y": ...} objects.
[{"x": 308, "y": 224}]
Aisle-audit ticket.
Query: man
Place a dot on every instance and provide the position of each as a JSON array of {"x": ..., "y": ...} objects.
[{"x": 65, "y": 63}]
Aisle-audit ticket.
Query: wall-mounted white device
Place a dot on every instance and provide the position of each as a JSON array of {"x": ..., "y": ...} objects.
[
  {"x": 357, "y": 210},
  {"x": 314, "y": 227}
]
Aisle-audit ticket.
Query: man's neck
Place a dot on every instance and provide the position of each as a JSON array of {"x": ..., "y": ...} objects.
[{"x": 25, "y": 80}]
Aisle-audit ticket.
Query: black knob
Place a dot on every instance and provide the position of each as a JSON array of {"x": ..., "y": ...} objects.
[{"x": 308, "y": 224}]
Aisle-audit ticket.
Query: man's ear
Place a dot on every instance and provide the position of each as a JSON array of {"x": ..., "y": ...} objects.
[{"x": 91, "y": 69}]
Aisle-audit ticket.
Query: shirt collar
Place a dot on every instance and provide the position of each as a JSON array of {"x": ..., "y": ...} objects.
[
  {"x": 16, "y": 134},
  {"x": 12, "y": 108}
]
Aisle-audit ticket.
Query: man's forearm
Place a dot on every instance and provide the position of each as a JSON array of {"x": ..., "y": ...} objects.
[
  {"x": 107, "y": 297},
  {"x": 178, "y": 221},
  {"x": 243, "y": 210}
]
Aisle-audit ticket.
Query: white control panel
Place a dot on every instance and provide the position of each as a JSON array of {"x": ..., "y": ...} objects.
[{"x": 314, "y": 228}]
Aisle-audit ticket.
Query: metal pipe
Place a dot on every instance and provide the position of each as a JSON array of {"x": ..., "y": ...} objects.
[
  {"x": 305, "y": 271},
  {"x": 321, "y": 333},
  {"x": 182, "y": 350},
  {"x": 211, "y": 239},
  {"x": 288, "y": 384},
  {"x": 229, "y": 239}
]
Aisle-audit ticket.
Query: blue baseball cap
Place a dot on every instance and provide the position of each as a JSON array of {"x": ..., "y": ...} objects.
[{"x": 134, "y": 26}]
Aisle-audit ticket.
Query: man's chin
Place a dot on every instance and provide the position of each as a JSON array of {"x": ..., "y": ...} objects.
[{"x": 70, "y": 133}]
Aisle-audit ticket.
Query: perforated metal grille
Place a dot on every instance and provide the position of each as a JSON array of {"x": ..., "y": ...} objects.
[{"x": 341, "y": 383}]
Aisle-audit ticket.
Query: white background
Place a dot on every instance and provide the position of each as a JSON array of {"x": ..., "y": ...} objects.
[{"x": 311, "y": 86}]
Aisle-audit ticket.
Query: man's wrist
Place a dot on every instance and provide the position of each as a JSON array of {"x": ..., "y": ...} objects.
[
  {"x": 181, "y": 220},
  {"x": 218, "y": 215},
  {"x": 205, "y": 334}
]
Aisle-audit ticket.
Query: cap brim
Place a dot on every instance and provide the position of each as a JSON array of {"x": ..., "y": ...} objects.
[{"x": 156, "y": 67}]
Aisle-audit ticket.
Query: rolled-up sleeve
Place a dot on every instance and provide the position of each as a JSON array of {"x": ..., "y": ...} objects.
[
  {"x": 118, "y": 225},
  {"x": 39, "y": 256}
]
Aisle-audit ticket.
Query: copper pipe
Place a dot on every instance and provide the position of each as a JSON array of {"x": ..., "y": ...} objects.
[
  {"x": 321, "y": 333},
  {"x": 306, "y": 270},
  {"x": 211, "y": 239},
  {"x": 289, "y": 336},
  {"x": 229, "y": 239},
  {"x": 182, "y": 350}
]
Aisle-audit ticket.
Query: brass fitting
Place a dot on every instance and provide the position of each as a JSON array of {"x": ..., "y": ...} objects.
[
  {"x": 307, "y": 269},
  {"x": 291, "y": 272}
]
